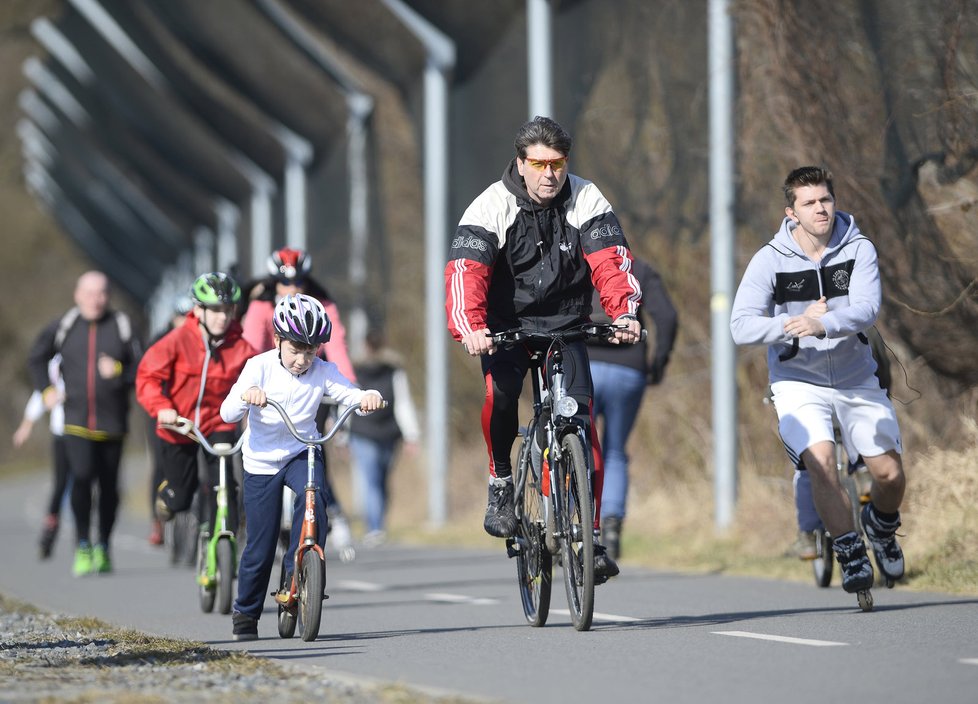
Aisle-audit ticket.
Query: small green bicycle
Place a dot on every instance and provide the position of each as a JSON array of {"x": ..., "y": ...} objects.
[{"x": 217, "y": 550}]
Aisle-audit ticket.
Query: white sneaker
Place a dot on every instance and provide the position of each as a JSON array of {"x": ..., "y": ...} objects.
[
  {"x": 341, "y": 539},
  {"x": 374, "y": 539}
]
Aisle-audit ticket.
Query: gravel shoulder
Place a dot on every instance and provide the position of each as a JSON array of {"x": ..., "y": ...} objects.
[{"x": 50, "y": 658}]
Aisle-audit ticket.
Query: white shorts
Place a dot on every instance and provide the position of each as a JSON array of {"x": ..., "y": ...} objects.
[{"x": 806, "y": 412}]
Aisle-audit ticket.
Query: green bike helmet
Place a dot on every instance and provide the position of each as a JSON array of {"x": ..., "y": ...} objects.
[{"x": 215, "y": 289}]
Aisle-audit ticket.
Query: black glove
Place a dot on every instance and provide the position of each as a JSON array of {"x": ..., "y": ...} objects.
[{"x": 657, "y": 370}]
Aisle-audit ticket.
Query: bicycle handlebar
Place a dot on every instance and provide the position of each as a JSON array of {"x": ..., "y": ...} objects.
[
  {"x": 346, "y": 413},
  {"x": 587, "y": 331},
  {"x": 185, "y": 426}
]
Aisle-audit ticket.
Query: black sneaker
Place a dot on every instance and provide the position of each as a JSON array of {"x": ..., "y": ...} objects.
[
  {"x": 500, "y": 519},
  {"x": 48, "y": 534},
  {"x": 857, "y": 571},
  {"x": 245, "y": 627},
  {"x": 604, "y": 566},
  {"x": 611, "y": 535},
  {"x": 162, "y": 510}
]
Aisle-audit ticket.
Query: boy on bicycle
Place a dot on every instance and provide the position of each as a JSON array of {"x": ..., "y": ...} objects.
[
  {"x": 809, "y": 294},
  {"x": 188, "y": 372},
  {"x": 297, "y": 378}
]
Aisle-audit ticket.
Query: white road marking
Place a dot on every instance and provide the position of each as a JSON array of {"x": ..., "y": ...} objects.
[
  {"x": 460, "y": 599},
  {"x": 780, "y": 639},
  {"x": 357, "y": 586},
  {"x": 602, "y": 617},
  {"x": 968, "y": 661}
]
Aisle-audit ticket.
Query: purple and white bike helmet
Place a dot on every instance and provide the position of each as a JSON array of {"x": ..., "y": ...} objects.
[{"x": 302, "y": 319}]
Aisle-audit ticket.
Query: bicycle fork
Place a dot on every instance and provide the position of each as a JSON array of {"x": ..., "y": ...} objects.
[{"x": 221, "y": 531}]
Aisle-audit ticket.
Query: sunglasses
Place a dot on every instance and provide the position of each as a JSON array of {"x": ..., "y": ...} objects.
[{"x": 542, "y": 164}]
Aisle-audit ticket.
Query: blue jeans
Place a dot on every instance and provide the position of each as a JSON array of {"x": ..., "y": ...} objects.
[
  {"x": 373, "y": 459},
  {"x": 618, "y": 392},
  {"x": 808, "y": 519},
  {"x": 263, "y": 513}
]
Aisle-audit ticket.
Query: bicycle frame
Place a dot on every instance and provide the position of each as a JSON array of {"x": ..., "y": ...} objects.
[
  {"x": 566, "y": 507},
  {"x": 307, "y": 536},
  {"x": 545, "y": 396},
  {"x": 221, "y": 528},
  {"x": 207, "y": 573}
]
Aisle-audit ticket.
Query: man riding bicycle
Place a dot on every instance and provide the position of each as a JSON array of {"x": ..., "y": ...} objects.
[{"x": 527, "y": 253}]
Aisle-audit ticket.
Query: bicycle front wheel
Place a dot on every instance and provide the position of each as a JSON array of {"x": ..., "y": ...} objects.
[
  {"x": 313, "y": 575},
  {"x": 534, "y": 565},
  {"x": 225, "y": 575},
  {"x": 575, "y": 520}
]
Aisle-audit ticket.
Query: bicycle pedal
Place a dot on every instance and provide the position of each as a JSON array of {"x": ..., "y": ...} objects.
[
  {"x": 512, "y": 547},
  {"x": 283, "y": 598}
]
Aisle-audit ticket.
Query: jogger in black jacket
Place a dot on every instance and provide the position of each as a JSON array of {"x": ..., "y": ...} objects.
[{"x": 98, "y": 365}]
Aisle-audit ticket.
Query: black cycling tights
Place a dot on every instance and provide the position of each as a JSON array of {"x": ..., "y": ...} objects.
[{"x": 505, "y": 372}]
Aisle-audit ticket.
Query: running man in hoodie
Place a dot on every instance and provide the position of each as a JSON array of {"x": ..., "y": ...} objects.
[{"x": 808, "y": 294}]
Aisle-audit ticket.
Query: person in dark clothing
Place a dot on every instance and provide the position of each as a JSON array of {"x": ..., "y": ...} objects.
[
  {"x": 620, "y": 374},
  {"x": 33, "y": 412},
  {"x": 527, "y": 253},
  {"x": 376, "y": 438},
  {"x": 98, "y": 365}
]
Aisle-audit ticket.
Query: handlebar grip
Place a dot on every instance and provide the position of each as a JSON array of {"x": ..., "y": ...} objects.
[{"x": 184, "y": 426}]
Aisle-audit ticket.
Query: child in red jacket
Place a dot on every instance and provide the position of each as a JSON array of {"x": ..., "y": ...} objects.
[{"x": 188, "y": 373}]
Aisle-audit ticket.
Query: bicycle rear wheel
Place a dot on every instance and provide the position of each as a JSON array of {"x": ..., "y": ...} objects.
[
  {"x": 822, "y": 565},
  {"x": 205, "y": 588},
  {"x": 534, "y": 565},
  {"x": 287, "y": 616},
  {"x": 312, "y": 576},
  {"x": 181, "y": 534},
  {"x": 575, "y": 520}
]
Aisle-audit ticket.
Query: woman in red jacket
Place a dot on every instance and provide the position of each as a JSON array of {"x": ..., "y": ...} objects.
[{"x": 188, "y": 373}]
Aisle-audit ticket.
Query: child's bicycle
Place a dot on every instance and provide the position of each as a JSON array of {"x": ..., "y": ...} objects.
[
  {"x": 217, "y": 549},
  {"x": 339, "y": 537},
  {"x": 554, "y": 506},
  {"x": 300, "y": 598}
]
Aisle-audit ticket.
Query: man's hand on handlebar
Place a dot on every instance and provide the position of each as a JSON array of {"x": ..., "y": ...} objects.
[
  {"x": 372, "y": 401},
  {"x": 479, "y": 343},
  {"x": 628, "y": 330},
  {"x": 254, "y": 396}
]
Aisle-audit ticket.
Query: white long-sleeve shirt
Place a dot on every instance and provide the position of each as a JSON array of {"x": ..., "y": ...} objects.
[
  {"x": 404, "y": 411},
  {"x": 34, "y": 410},
  {"x": 268, "y": 444}
]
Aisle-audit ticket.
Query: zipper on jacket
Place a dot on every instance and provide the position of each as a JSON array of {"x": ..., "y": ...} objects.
[
  {"x": 92, "y": 367},
  {"x": 203, "y": 378}
]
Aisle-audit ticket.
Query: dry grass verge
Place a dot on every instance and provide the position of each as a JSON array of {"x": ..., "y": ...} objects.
[{"x": 670, "y": 523}]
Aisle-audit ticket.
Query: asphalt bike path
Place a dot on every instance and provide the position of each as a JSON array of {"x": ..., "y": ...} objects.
[{"x": 450, "y": 619}]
